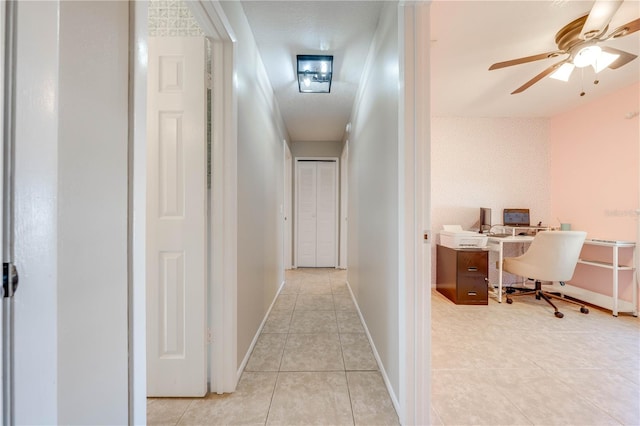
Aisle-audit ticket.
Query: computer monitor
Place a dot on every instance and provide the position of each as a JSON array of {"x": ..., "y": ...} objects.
[
  {"x": 485, "y": 220},
  {"x": 515, "y": 217}
]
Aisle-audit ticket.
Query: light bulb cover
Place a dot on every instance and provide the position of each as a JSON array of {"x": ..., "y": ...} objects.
[
  {"x": 587, "y": 56},
  {"x": 604, "y": 60},
  {"x": 564, "y": 72},
  {"x": 314, "y": 73}
]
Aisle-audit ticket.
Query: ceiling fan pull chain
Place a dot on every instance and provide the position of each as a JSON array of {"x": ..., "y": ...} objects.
[{"x": 582, "y": 82}]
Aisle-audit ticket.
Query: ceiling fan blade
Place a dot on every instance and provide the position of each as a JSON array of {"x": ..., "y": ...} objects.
[
  {"x": 626, "y": 29},
  {"x": 625, "y": 57},
  {"x": 539, "y": 77},
  {"x": 599, "y": 18},
  {"x": 526, "y": 59}
]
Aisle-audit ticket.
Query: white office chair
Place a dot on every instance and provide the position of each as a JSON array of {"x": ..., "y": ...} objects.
[{"x": 552, "y": 256}]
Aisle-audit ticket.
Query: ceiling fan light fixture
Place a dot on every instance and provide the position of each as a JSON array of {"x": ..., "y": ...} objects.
[
  {"x": 564, "y": 72},
  {"x": 314, "y": 73},
  {"x": 587, "y": 56},
  {"x": 604, "y": 60}
]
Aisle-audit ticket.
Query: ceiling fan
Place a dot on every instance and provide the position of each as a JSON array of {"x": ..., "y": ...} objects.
[{"x": 580, "y": 40}]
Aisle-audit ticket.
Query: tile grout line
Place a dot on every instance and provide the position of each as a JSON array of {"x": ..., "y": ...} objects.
[
  {"x": 275, "y": 385},
  {"x": 344, "y": 364},
  {"x": 184, "y": 412}
]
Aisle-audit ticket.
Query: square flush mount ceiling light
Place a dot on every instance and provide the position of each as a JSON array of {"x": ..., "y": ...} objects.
[{"x": 314, "y": 73}]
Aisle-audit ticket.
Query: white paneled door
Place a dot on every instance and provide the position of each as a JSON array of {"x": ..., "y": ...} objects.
[
  {"x": 316, "y": 200},
  {"x": 176, "y": 217}
]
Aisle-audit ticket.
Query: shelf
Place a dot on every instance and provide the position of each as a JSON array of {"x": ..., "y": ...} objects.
[
  {"x": 606, "y": 265},
  {"x": 609, "y": 243},
  {"x": 591, "y": 297}
]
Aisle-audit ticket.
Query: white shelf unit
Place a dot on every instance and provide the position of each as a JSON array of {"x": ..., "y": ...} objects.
[{"x": 613, "y": 303}]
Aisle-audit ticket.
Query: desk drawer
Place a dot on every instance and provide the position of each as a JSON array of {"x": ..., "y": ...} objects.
[{"x": 473, "y": 291}]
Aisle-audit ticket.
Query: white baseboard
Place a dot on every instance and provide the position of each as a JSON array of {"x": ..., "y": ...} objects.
[
  {"x": 245, "y": 360},
  {"x": 387, "y": 383}
]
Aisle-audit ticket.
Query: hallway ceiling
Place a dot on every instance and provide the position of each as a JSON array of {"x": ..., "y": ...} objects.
[
  {"x": 467, "y": 37},
  {"x": 284, "y": 29}
]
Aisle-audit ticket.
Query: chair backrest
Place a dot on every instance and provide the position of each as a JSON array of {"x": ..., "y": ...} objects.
[{"x": 552, "y": 256}]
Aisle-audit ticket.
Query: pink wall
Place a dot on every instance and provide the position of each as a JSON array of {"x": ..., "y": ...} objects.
[
  {"x": 594, "y": 166},
  {"x": 595, "y": 162}
]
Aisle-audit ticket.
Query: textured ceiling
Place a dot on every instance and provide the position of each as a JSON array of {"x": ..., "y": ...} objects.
[
  {"x": 467, "y": 37},
  {"x": 284, "y": 29}
]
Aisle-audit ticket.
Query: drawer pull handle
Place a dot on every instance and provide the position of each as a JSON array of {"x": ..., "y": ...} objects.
[
  {"x": 472, "y": 293},
  {"x": 472, "y": 269}
]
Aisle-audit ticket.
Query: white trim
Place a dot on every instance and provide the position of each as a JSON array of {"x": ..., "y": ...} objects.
[
  {"x": 295, "y": 191},
  {"x": 422, "y": 120},
  {"x": 223, "y": 200},
  {"x": 224, "y": 208},
  {"x": 344, "y": 205},
  {"x": 287, "y": 214},
  {"x": 2, "y": 129},
  {"x": 212, "y": 19},
  {"x": 414, "y": 296},
  {"x": 137, "y": 213},
  {"x": 247, "y": 356}
]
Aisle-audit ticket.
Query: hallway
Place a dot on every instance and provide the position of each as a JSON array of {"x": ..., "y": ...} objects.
[{"x": 312, "y": 364}]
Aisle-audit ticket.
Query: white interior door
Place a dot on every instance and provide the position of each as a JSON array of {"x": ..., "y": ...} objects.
[
  {"x": 306, "y": 218},
  {"x": 326, "y": 208},
  {"x": 176, "y": 222},
  {"x": 316, "y": 201}
]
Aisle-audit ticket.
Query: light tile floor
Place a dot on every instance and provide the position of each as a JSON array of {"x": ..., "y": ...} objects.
[
  {"x": 491, "y": 365},
  {"x": 520, "y": 365},
  {"x": 312, "y": 364}
]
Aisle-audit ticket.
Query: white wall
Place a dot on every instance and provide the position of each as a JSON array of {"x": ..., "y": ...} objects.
[
  {"x": 71, "y": 213},
  {"x": 488, "y": 162},
  {"x": 36, "y": 205},
  {"x": 260, "y": 184},
  {"x": 373, "y": 240},
  {"x": 92, "y": 213},
  {"x": 316, "y": 149}
]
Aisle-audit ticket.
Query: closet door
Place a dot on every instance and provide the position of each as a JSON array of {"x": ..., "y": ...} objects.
[
  {"x": 176, "y": 218},
  {"x": 316, "y": 200},
  {"x": 326, "y": 214},
  {"x": 306, "y": 218}
]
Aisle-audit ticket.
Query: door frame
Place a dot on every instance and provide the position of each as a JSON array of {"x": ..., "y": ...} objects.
[
  {"x": 222, "y": 212},
  {"x": 223, "y": 208},
  {"x": 295, "y": 208},
  {"x": 344, "y": 204},
  {"x": 7, "y": 411},
  {"x": 288, "y": 210},
  {"x": 414, "y": 213}
]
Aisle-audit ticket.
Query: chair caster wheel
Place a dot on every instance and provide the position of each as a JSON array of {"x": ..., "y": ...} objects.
[
  {"x": 509, "y": 300},
  {"x": 559, "y": 314},
  {"x": 584, "y": 310}
]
